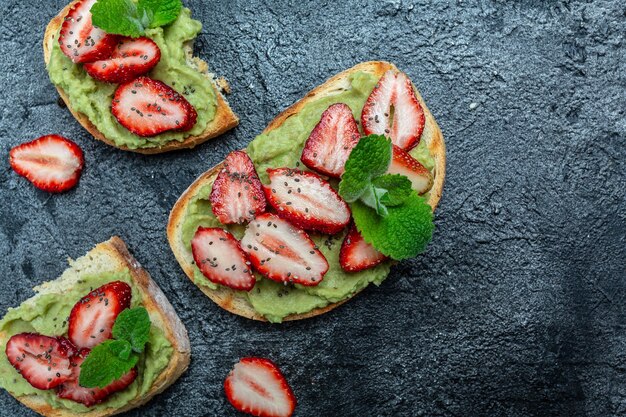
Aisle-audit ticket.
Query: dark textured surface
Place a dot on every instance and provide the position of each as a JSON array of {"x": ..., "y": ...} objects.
[{"x": 516, "y": 309}]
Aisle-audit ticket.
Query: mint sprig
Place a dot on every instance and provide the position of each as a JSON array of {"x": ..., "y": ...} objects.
[
  {"x": 388, "y": 213},
  {"x": 129, "y": 18},
  {"x": 112, "y": 359}
]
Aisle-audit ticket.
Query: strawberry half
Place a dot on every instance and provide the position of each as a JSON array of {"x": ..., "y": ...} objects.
[
  {"x": 148, "y": 107},
  {"x": 71, "y": 390},
  {"x": 404, "y": 164},
  {"x": 356, "y": 254},
  {"x": 393, "y": 110},
  {"x": 306, "y": 200},
  {"x": 218, "y": 255},
  {"x": 92, "y": 318},
  {"x": 43, "y": 361},
  {"x": 256, "y": 386},
  {"x": 328, "y": 147},
  {"x": 237, "y": 195},
  {"x": 282, "y": 252},
  {"x": 52, "y": 163},
  {"x": 130, "y": 58},
  {"x": 80, "y": 40}
]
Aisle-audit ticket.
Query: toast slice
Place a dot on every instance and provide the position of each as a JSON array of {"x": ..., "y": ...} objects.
[
  {"x": 234, "y": 301},
  {"x": 113, "y": 256},
  {"x": 224, "y": 120}
]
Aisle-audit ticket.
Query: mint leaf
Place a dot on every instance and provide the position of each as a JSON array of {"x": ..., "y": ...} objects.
[
  {"x": 386, "y": 191},
  {"x": 398, "y": 188},
  {"x": 133, "y": 326},
  {"x": 370, "y": 158},
  {"x": 159, "y": 12},
  {"x": 372, "y": 197},
  {"x": 107, "y": 362},
  {"x": 118, "y": 17},
  {"x": 125, "y": 17},
  {"x": 403, "y": 233}
]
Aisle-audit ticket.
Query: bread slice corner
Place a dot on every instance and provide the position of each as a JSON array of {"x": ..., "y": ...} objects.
[
  {"x": 225, "y": 119},
  {"x": 113, "y": 256},
  {"x": 236, "y": 302}
]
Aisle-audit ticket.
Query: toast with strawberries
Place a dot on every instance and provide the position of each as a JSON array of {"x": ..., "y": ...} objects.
[
  {"x": 119, "y": 60},
  {"x": 50, "y": 364},
  {"x": 302, "y": 208}
]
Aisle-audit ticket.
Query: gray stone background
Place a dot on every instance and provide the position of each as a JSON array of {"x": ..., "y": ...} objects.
[{"x": 516, "y": 308}]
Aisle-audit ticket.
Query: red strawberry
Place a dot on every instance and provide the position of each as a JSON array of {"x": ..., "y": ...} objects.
[
  {"x": 80, "y": 40},
  {"x": 52, "y": 163},
  {"x": 256, "y": 386},
  {"x": 237, "y": 195},
  {"x": 283, "y": 252},
  {"x": 71, "y": 390},
  {"x": 404, "y": 164},
  {"x": 43, "y": 361},
  {"x": 92, "y": 318},
  {"x": 393, "y": 110},
  {"x": 130, "y": 58},
  {"x": 148, "y": 107},
  {"x": 306, "y": 200},
  {"x": 356, "y": 254},
  {"x": 218, "y": 255},
  {"x": 330, "y": 143}
]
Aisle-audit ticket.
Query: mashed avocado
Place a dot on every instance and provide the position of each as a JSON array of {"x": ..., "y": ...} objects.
[
  {"x": 282, "y": 147},
  {"x": 93, "y": 98},
  {"x": 47, "y": 314}
]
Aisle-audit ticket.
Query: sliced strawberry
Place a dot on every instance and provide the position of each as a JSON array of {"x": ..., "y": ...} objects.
[
  {"x": 356, "y": 254},
  {"x": 148, "y": 107},
  {"x": 404, "y": 164},
  {"x": 237, "y": 195},
  {"x": 256, "y": 386},
  {"x": 306, "y": 200},
  {"x": 330, "y": 143},
  {"x": 92, "y": 318},
  {"x": 218, "y": 255},
  {"x": 130, "y": 58},
  {"x": 52, "y": 163},
  {"x": 80, "y": 40},
  {"x": 71, "y": 390},
  {"x": 393, "y": 110},
  {"x": 43, "y": 361},
  {"x": 282, "y": 252}
]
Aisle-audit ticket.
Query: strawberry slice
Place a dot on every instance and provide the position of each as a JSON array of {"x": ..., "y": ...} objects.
[
  {"x": 218, "y": 255},
  {"x": 237, "y": 195},
  {"x": 404, "y": 164},
  {"x": 356, "y": 254},
  {"x": 43, "y": 361},
  {"x": 52, "y": 163},
  {"x": 80, "y": 40},
  {"x": 92, "y": 318},
  {"x": 393, "y": 110},
  {"x": 331, "y": 141},
  {"x": 282, "y": 252},
  {"x": 256, "y": 386},
  {"x": 148, "y": 107},
  {"x": 306, "y": 200},
  {"x": 129, "y": 59},
  {"x": 71, "y": 390}
]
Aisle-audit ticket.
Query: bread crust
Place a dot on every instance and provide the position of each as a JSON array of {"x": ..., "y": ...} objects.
[
  {"x": 235, "y": 302},
  {"x": 224, "y": 120},
  {"x": 157, "y": 305}
]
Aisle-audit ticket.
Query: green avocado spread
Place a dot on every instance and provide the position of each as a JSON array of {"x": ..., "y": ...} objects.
[
  {"x": 282, "y": 147},
  {"x": 47, "y": 314},
  {"x": 93, "y": 98}
]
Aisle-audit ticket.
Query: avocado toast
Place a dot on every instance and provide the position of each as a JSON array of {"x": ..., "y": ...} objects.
[
  {"x": 90, "y": 100},
  {"x": 280, "y": 145},
  {"x": 164, "y": 358}
]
